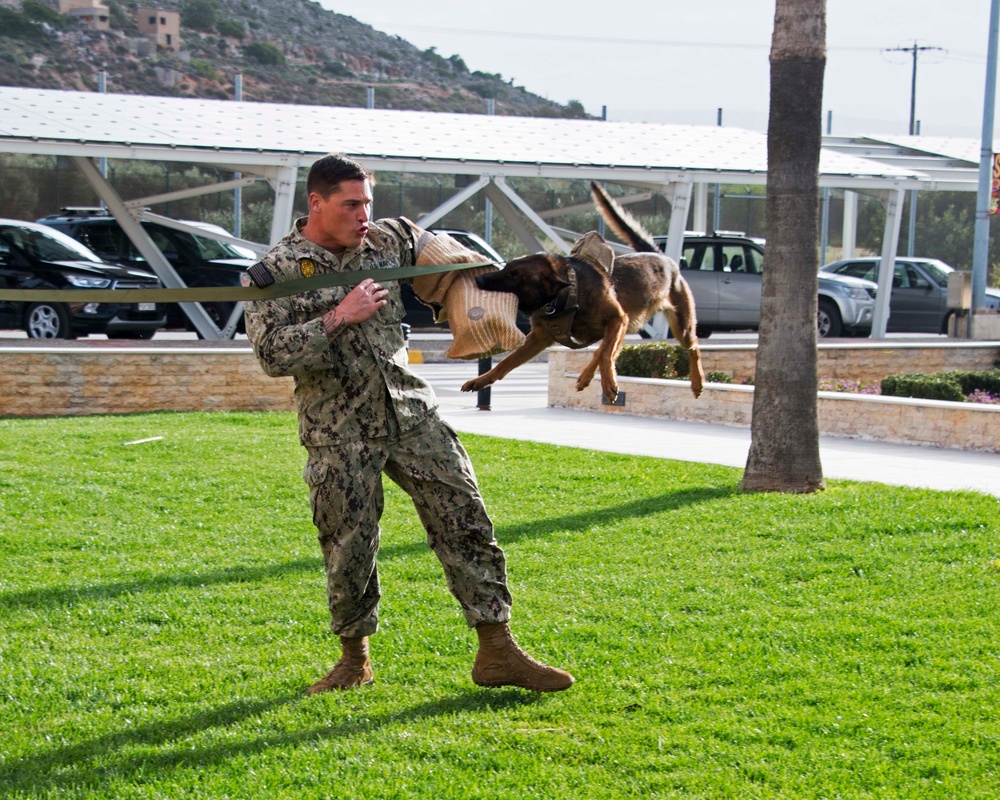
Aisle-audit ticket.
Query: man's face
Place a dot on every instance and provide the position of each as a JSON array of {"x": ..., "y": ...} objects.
[{"x": 341, "y": 220}]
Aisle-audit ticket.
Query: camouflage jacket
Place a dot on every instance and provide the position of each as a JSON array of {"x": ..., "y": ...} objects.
[{"x": 345, "y": 388}]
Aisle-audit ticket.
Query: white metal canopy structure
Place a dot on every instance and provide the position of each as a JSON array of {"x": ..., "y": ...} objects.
[
  {"x": 274, "y": 141},
  {"x": 949, "y": 164}
]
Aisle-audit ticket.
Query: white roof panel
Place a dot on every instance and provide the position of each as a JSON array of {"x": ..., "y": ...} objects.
[{"x": 179, "y": 129}]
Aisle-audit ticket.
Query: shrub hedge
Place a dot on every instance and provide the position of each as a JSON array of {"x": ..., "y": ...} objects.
[
  {"x": 955, "y": 386},
  {"x": 653, "y": 360},
  {"x": 662, "y": 360},
  {"x": 940, "y": 386}
]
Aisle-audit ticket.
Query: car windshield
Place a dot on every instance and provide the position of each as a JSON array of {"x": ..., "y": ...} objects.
[
  {"x": 46, "y": 244},
  {"x": 213, "y": 248},
  {"x": 938, "y": 271}
]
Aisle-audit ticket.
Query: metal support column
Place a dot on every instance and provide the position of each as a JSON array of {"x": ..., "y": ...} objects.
[
  {"x": 981, "y": 240},
  {"x": 849, "y": 236},
  {"x": 284, "y": 202},
  {"x": 887, "y": 266},
  {"x": 156, "y": 260},
  {"x": 679, "y": 197}
]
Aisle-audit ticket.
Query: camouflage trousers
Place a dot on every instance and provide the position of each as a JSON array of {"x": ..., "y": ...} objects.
[{"x": 432, "y": 467}]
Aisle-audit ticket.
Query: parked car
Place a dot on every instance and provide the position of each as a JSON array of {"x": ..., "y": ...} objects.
[
  {"x": 918, "y": 302},
  {"x": 725, "y": 272},
  {"x": 199, "y": 260},
  {"x": 35, "y": 257}
]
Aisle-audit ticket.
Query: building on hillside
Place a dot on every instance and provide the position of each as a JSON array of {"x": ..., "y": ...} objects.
[
  {"x": 89, "y": 13},
  {"x": 162, "y": 27}
]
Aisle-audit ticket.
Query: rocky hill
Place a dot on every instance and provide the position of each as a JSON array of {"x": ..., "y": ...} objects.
[{"x": 289, "y": 51}]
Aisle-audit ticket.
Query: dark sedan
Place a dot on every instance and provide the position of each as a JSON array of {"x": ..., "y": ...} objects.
[
  {"x": 198, "y": 260},
  {"x": 36, "y": 257},
  {"x": 918, "y": 302}
]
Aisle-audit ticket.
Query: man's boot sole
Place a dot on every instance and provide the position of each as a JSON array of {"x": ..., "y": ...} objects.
[{"x": 499, "y": 684}]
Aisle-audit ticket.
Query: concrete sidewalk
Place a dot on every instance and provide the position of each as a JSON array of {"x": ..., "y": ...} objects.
[{"x": 519, "y": 410}]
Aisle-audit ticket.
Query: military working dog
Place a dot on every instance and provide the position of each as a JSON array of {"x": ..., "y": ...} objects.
[{"x": 577, "y": 300}]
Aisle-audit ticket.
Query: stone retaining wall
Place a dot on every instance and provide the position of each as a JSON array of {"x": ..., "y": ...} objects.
[
  {"x": 76, "y": 380},
  {"x": 965, "y": 426},
  {"x": 864, "y": 361}
]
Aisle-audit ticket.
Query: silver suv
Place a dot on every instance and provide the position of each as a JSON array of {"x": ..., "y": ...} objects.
[{"x": 725, "y": 271}]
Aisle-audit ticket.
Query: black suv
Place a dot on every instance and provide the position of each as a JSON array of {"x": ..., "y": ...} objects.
[
  {"x": 199, "y": 260},
  {"x": 35, "y": 257}
]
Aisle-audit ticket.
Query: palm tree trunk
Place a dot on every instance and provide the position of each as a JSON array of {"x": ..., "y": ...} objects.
[{"x": 784, "y": 446}]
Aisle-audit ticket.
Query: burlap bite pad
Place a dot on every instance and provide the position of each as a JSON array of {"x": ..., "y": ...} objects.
[{"x": 482, "y": 323}]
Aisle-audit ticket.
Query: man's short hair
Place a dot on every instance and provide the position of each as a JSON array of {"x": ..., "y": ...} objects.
[{"x": 326, "y": 174}]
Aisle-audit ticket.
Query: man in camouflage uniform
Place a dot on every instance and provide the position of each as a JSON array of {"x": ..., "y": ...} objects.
[{"x": 362, "y": 413}]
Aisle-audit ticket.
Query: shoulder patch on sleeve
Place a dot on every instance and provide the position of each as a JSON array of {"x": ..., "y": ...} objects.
[{"x": 260, "y": 276}]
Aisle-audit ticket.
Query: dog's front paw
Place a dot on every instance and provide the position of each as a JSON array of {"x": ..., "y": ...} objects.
[
  {"x": 583, "y": 382},
  {"x": 474, "y": 385},
  {"x": 610, "y": 389}
]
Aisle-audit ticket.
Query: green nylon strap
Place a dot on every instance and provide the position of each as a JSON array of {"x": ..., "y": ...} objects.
[{"x": 206, "y": 294}]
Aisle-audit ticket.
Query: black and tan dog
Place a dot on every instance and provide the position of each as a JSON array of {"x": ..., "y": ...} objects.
[{"x": 576, "y": 301}]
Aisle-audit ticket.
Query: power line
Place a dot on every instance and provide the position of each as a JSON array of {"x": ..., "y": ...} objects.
[{"x": 562, "y": 37}]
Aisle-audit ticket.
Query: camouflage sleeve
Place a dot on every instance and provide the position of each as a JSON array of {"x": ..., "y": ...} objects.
[{"x": 285, "y": 345}]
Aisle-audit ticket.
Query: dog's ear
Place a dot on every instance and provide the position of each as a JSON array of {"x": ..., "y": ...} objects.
[
  {"x": 553, "y": 283},
  {"x": 556, "y": 277}
]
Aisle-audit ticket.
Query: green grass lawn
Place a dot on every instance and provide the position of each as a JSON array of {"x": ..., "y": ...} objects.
[{"x": 163, "y": 611}]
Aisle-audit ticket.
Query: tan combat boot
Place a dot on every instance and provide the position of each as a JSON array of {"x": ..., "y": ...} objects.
[
  {"x": 500, "y": 662},
  {"x": 353, "y": 670}
]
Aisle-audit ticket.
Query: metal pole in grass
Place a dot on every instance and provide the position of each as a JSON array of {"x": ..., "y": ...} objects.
[
  {"x": 238, "y": 191},
  {"x": 981, "y": 242},
  {"x": 484, "y": 396}
]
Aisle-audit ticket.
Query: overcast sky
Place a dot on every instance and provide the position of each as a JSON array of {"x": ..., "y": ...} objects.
[{"x": 679, "y": 62}]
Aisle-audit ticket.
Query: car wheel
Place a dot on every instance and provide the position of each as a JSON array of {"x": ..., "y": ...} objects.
[
  {"x": 703, "y": 331},
  {"x": 47, "y": 321},
  {"x": 219, "y": 314},
  {"x": 828, "y": 323},
  {"x": 947, "y": 322}
]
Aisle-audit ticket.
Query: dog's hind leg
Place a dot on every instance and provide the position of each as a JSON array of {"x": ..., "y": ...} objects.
[
  {"x": 604, "y": 359},
  {"x": 683, "y": 324}
]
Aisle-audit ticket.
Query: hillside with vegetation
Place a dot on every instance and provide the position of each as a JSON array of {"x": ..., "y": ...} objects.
[{"x": 290, "y": 51}]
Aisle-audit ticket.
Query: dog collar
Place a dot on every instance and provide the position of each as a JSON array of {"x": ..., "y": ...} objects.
[{"x": 556, "y": 318}]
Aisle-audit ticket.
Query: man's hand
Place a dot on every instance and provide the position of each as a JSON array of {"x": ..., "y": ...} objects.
[{"x": 360, "y": 305}]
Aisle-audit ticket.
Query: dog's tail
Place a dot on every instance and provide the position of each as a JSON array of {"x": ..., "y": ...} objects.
[{"x": 623, "y": 223}]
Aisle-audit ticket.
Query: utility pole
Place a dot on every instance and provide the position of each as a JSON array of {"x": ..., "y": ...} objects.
[{"x": 915, "y": 50}]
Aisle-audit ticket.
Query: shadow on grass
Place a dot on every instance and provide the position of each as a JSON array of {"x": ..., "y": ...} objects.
[
  {"x": 584, "y": 520},
  {"x": 645, "y": 507},
  {"x": 146, "y": 753},
  {"x": 51, "y": 597},
  {"x": 58, "y": 596}
]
